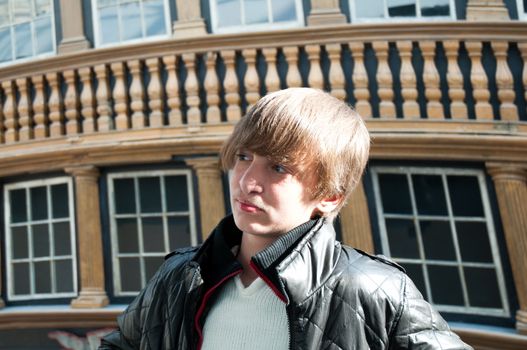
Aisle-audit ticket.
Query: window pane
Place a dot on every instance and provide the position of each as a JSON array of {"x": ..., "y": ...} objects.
[
  {"x": 465, "y": 196},
  {"x": 176, "y": 193},
  {"x": 437, "y": 240},
  {"x": 482, "y": 285},
  {"x": 42, "y": 277},
  {"x": 127, "y": 236},
  {"x": 435, "y": 8},
  {"x": 43, "y": 35},
  {"x": 124, "y": 192},
  {"x": 108, "y": 26},
  {"x": 402, "y": 238},
  {"x": 102, "y": 3},
  {"x": 369, "y": 9},
  {"x": 39, "y": 203},
  {"x": 150, "y": 194},
  {"x": 395, "y": 194},
  {"x": 19, "y": 242},
  {"x": 256, "y": 12},
  {"x": 429, "y": 195},
  {"x": 21, "y": 274},
  {"x": 474, "y": 241},
  {"x": 416, "y": 274},
  {"x": 5, "y": 45},
  {"x": 153, "y": 235},
  {"x": 4, "y": 13},
  {"x": 59, "y": 201},
  {"x": 131, "y": 21},
  {"x": 130, "y": 274},
  {"x": 178, "y": 232},
  {"x": 42, "y": 7},
  {"x": 62, "y": 238},
  {"x": 401, "y": 8},
  {"x": 21, "y": 10},
  {"x": 23, "y": 41},
  {"x": 151, "y": 266},
  {"x": 40, "y": 240},
  {"x": 229, "y": 13},
  {"x": 154, "y": 17},
  {"x": 64, "y": 271},
  {"x": 17, "y": 201},
  {"x": 446, "y": 285},
  {"x": 283, "y": 10}
]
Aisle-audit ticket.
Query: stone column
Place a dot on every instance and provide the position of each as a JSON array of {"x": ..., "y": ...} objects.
[
  {"x": 510, "y": 182},
  {"x": 92, "y": 292},
  {"x": 189, "y": 23},
  {"x": 487, "y": 10},
  {"x": 325, "y": 12},
  {"x": 211, "y": 197},
  {"x": 71, "y": 17},
  {"x": 355, "y": 221}
]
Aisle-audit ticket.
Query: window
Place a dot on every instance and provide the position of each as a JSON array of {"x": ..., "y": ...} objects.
[
  {"x": 522, "y": 9},
  {"x": 119, "y": 21},
  {"x": 436, "y": 222},
  {"x": 230, "y": 16},
  {"x": 402, "y": 10},
  {"x": 27, "y": 29},
  {"x": 151, "y": 214},
  {"x": 40, "y": 239}
]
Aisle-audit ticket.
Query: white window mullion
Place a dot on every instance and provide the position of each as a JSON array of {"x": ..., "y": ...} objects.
[
  {"x": 139, "y": 231},
  {"x": 164, "y": 213}
]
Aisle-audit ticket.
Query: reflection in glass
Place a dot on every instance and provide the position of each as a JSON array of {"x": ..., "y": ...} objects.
[
  {"x": 178, "y": 232},
  {"x": 109, "y": 26},
  {"x": 5, "y": 45},
  {"x": 21, "y": 276},
  {"x": 395, "y": 194},
  {"x": 401, "y": 8},
  {"x": 42, "y": 277},
  {"x": 474, "y": 241},
  {"x": 39, "y": 203},
  {"x": 17, "y": 201},
  {"x": 21, "y": 10},
  {"x": 153, "y": 235},
  {"x": 437, "y": 240},
  {"x": 176, "y": 193},
  {"x": 482, "y": 287},
  {"x": 369, "y": 9},
  {"x": 62, "y": 238},
  {"x": 23, "y": 41},
  {"x": 283, "y": 10},
  {"x": 154, "y": 17},
  {"x": 130, "y": 274},
  {"x": 42, "y": 7},
  {"x": 64, "y": 271},
  {"x": 4, "y": 13},
  {"x": 131, "y": 21},
  {"x": 43, "y": 35},
  {"x": 429, "y": 195},
  {"x": 59, "y": 201},
  {"x": 256, "y": 12},
  {"x": 150, "y": 194},
  {"x": 446, "y": 285},
  {"x": 40, "y": 240},
  {"x": 229, "y": 13},
  {"x": 19, "y": 242},
  {"x": 402, "y": 238},
  {"x": 127, "y": 236},
  {"x": 124, "y": 196},
  {"x": 431, "y": 8},
  {"x": 465, "y": 195}
]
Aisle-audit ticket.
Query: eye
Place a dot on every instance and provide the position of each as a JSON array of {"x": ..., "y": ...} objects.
[
  {"x": 280, "y": 169},
  {"x": 242, "y": 156}
]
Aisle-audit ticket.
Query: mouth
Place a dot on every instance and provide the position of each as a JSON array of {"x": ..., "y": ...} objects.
[{"x": 248, "y": 206}]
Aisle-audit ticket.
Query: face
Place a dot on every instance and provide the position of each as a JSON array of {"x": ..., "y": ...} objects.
[{"x": 268, "y": 199}]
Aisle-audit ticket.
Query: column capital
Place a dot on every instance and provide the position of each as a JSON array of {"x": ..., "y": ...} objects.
[
  {"x": 487, "y": 10},
  {"x": 83, "y": 171},
  {"x": 503, "y": 171},
  {"x": 325, "y": 12},
  {"x": 190, "y": 23},
  {"x": 72, "y": 20},
  {"x": 204, "y": 163}
]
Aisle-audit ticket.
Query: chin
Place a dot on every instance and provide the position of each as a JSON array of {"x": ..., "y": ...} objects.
[{"x": 251, "y": 225}]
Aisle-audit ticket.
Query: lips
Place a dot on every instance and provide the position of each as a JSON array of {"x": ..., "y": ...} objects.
[{"x": 248, "y": 206}]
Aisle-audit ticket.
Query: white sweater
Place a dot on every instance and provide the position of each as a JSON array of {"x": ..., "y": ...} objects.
[{"x": 242, "y": 318}]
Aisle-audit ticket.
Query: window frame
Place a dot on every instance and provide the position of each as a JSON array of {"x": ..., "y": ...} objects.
[
  {"x": 245, "y": 28},
  {"x": 408, "y": 171},
  {"x": 143, "y": 39},
  {"x": 386, "y": 19},
  {"x": 115, "y": 255},
  {"x": 11, "y": 26},
  {"x": 27, "y": 185},
  {"x": 522, "y": 11}
]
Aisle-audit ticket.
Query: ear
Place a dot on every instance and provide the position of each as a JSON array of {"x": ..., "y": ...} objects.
[{"x": 327, "y": 205}]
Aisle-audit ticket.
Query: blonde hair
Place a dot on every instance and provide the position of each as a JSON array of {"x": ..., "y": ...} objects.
[{"x": 310, "y": 131}]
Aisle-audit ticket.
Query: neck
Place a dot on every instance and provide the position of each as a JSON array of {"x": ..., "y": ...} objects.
[{"x": 249, "y": 247}]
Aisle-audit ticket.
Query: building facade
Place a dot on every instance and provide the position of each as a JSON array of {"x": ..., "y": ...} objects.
[{"x": 112, "y": 114}]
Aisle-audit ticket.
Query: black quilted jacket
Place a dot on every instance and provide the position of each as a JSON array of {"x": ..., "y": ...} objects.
[{"x": 337, "y": 297}]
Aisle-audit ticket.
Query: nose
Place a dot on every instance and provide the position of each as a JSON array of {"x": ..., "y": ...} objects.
[{"x": 250, "y": 180}]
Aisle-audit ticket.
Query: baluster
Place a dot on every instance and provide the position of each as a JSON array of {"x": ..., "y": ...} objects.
[
  {"x": 293, "y": 78},
  {"x": 120, "y": 96},
  {"x": 479, "y": 81},
  {"x": 456, "y": 92},
  {"x": 24, "y": 111},
  {"x": 523, "y": 51},
  {"x": 504, "y": 81},
  {"x": 55, "y": 105},
  {"x": 384, "y": 81},
  {"x": 71, "y": 103},
  {"x": 315, "y": 78},
  {"x": 336, "y": 74},
  {"x": 11, "y": 122},
  {"x": 104, "y": 109},
  {"x": 230, "y": 84},
  {"x": 251, "y": 79},
  {"x": 172, "y": 89},
  {"x": 87, "y": 101},
  {"x": 272, "y": 80},
  {"x": 212, "y": 88},
  {"x": 39, "y": 108},
  {"x": 137, "y": 94},
  {"x": 156, "y": 94},
  {"x": 434, "y": 108},
  {"x": 2, "y": 137},
  {"x": 192, "y": 89},
  {"x": 360, "y": 80},
  {"x": 408, "y": 81}
]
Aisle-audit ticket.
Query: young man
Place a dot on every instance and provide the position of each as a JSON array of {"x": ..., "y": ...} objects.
[{"x": 271, "y": 275}]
